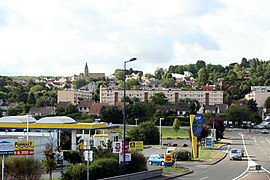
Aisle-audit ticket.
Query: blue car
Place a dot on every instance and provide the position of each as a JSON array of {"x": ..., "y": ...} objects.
[{"x": 156, "y": 159}]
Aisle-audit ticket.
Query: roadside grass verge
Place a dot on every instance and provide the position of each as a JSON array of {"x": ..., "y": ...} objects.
[
  {"x": 206, "y": 154},
  {"x": 174, "y": 169},
  {"x": 167, "y": 132}
]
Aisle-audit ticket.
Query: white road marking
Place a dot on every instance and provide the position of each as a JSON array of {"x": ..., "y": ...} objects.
[
  {"x": 250, "y": 161},
  {"x": 204, "y": 178}
]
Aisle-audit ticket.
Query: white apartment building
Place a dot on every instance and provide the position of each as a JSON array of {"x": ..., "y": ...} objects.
[
  {"x": 73, "y": 96},
  {"x": 260, "y": 88},
  {"x": 258, "y": 96},
  {"x": 111, "y": 96}
]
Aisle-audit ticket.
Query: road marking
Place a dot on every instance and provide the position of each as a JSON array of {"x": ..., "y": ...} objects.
[
  {"x": 250, "y": 161},
  {"x": 204, "y": 178},
  {"x": 267, "y": 140}
]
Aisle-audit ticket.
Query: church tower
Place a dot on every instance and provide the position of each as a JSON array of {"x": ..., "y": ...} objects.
[{"x": 86, "y": 71}]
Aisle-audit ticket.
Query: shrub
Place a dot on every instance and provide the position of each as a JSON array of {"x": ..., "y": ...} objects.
[
  {"x": 104, "y": 167},
  {"x": 138, "y": 163},
  {"x": 182, "y": 155},
  {"x": 75, "y": 172},
  {"x": 73, "y": 156},
  {"x": 21, "y": 168}
]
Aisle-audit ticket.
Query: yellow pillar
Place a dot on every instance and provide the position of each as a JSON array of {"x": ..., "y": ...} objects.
[{"x": 193, "y": 138}]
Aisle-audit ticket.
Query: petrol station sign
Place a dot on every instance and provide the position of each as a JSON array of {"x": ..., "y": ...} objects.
[{"x": 197, "y": 125}]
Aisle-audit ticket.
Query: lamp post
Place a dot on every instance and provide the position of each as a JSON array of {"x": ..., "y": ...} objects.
[
  {"x": 160, "y": 142},
  {"x": 27, "y": 127},
  {"x": 124, "y": 114}
]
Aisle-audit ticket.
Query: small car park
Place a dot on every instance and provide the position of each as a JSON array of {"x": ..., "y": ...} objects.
[
  {"x": 156, "y": 159},
  {"x": 236, "y": 154}
]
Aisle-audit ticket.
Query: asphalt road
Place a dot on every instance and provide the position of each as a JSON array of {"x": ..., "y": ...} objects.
[{"x": 257, "y": 151}]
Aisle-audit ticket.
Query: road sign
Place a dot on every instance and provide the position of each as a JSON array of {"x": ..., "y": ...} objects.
[
  {"x": 168, "y": 160},
  {"x": 117, "y": 147},
  {"x": 7, "y": 146},
  {"x": 128, "y": 157},
  {"x": 136, "y": 145},
  {"x": 197, "y": 125},
  {"x": 24, "y": 148}
]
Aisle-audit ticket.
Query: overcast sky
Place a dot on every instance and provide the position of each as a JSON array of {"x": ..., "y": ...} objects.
[{"x": 57, "y": 37}]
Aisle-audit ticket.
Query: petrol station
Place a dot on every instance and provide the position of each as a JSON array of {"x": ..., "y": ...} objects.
[{"x": 25, "y": 127}]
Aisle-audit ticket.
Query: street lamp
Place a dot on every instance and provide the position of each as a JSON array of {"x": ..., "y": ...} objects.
[
  {"x": 160, "y": 119},
  {"x": 124, "y": 114}
]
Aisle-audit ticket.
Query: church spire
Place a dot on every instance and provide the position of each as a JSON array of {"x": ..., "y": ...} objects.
[{"x": 86, "y": 71}]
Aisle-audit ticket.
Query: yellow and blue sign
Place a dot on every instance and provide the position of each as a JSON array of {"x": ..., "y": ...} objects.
[
  {"x": 197, "y": 125},
  {"x": 168, "y": 160}
]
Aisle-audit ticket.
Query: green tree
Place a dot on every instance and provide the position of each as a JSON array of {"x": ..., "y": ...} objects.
[
  {"x": 200, "y": 64},
  {"x": 159, "y": 73},
  {"x": 168, "y": 82},
  {"x": 267, "y": 103},
  {"x": 49, "y": 162},
  {"x": 232, "y": 76},
  {"x": 146, "y": 132},
  {"x": 119, "y": 74},
  {"x": 159, "y": 99},
  {"x": 31, "y": 98},
  {"x": 176, "y": 125},
  {"x": 202, "y": 77},
  {"x": 78, "y": 83},
  {"x": 238, "y": 114},
  {"x": 252, "y": 105}
]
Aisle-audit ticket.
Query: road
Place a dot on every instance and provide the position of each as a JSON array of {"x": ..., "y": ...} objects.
[{"x": 257, "y": 151}]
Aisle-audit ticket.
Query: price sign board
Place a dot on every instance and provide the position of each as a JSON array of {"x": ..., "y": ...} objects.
[
  {"x": 23, "y": 148},
  {"x": 197, "y": 125}
]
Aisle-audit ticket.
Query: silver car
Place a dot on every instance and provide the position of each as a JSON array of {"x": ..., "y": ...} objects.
[{"x": 235, "y": 154}]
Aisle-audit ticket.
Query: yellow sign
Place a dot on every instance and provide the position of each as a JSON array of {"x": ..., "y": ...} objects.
[
  {"x": 168, "y": 158},
  {"x": 193, "y": 138},
  {"x": 24, "y": 145},
  {"x": 136, "y": 145}
]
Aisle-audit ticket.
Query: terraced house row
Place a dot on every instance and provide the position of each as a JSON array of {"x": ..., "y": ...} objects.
[{"x": 111, "y": 96}]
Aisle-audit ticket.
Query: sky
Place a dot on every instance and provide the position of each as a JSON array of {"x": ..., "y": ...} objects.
[{"x": 57, "y": 37}]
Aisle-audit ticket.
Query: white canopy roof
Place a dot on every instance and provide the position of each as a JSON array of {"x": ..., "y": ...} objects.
[
  {"x": 56, "y": 120},
  {"x": 17, "y": 119}
]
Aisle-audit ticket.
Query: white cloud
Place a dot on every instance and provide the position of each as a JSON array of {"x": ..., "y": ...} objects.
[{"x": 59, "y": 37}]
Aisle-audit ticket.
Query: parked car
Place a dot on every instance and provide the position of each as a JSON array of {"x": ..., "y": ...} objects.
[
  {"x": 258, "y": 126},
  {"x": 170, "y": 150},
  {"x": 156, "y": 159},
  {"x": 236, "y": 154},
  {"x": 264, "y": 131}
]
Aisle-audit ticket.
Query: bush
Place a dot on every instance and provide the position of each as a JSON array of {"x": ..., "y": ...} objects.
[
  {"x": 138, "y": 163},
  {"x": 73, "y": 156},
  {"x": 21, "y": 168},
  {"x": 75, "y": 172},
  {"x": 182, "y": 155},
  {"x": 104, "y": 167}
]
